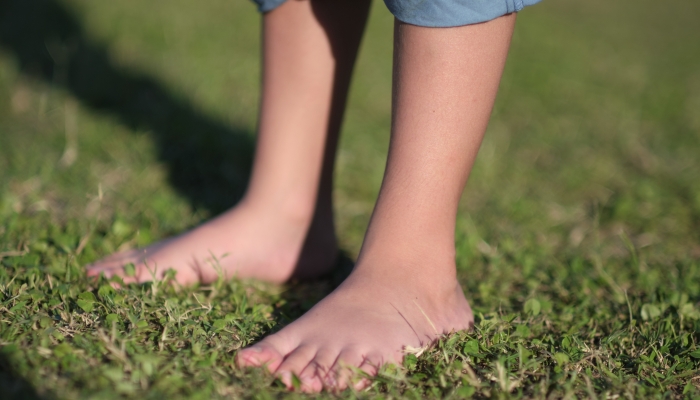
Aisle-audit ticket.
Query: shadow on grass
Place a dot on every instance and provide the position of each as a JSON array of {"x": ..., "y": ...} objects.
[
  {"x": 300, "y": 296},
  {"x": 208, "y": 161},
  {"x": 13, "y": 386}
]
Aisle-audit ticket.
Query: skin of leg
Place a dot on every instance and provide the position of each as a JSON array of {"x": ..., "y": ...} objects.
[
  {"x": 283, "y": 227},
  {"x": 403, "y": 292}
]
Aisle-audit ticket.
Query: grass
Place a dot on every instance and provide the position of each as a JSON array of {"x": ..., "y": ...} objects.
[{"x": 578, "y": 240}]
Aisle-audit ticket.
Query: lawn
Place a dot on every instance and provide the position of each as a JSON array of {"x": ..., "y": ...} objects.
[{"x": 578, "y": 239}]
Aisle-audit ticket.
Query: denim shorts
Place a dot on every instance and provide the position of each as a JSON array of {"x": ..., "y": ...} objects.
[{"x": 438, "y": 13}]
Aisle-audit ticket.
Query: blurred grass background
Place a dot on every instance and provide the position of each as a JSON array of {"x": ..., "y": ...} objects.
[{"x": 125, "y": 122}]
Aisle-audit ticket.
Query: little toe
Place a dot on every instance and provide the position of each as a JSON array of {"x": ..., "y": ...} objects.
[
  {"x": 260, "y": 354},
  {"x": 294, "y": 363}
]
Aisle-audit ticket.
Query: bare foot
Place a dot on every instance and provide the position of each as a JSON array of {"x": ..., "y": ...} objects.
[
  {"x": 246, "y": 242},
  {"x": 372, "y": 319}
]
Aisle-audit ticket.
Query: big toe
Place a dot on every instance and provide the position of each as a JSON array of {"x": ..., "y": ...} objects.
[
  {"x": 260, "y": 354},
  {"x": 109, "y": 264}
]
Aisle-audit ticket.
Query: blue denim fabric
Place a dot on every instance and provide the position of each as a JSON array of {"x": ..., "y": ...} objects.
[
  {"x": 267, "y": 5},
  {"x": 438, "y": 13},
  {"x": 444, "y": 13}
]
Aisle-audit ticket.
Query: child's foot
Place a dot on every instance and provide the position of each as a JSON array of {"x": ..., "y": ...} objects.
[
  {"x": 245, "y": 242},
  {"x": 375, "y": 317}
]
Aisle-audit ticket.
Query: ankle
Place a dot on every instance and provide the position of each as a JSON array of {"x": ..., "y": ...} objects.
[
  {"x": 298, "y": 211},
  {"x": 433, "y": 275}
]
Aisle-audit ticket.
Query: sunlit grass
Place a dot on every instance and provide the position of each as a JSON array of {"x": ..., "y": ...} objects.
[{"x": 578, "y": 239}]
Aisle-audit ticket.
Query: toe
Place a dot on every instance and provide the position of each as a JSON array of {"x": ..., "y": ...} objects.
[
  {"x": 115, "y": 260},
  {"x": 310, "y": 381},
  {"x": 370, "y": 367},
  {"x": 344, "y": 370},
  {"x": 141, "y": 272},
  {"x": 294, "y": 363},
  {"x": 120, "y": 272},
  {"x": 314, "y": 375},
  {"x": 116, "y": 265},
  {"x": 260, "y": 354},
  {"x": 106, "y": 272},
  {"x": 94, "y": 270},
  {"x": 99, "y": 268}
]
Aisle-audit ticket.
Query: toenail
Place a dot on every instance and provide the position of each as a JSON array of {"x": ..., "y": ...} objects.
[
  {"x": 255, "y": 349},
  {"x": 286, "y": 378}
]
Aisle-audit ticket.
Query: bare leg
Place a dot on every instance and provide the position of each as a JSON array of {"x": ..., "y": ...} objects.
[
  {"x": 403, "y": 292},
  {"x": 284, "y": 225}
]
